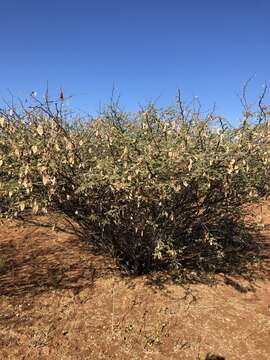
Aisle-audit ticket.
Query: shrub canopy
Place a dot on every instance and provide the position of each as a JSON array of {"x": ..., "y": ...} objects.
[{"x": 158, "y": 189}]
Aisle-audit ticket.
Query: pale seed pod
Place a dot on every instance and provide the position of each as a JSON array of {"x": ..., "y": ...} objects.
[
  {"x": 40, "y": 130},
  {"x": 22, "y": 206},
  {"x": 34, "y": 149},
  {"x": 35, "y": 208},
  {"x": 45, "y": 179}
]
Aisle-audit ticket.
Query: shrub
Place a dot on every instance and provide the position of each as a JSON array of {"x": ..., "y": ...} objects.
[{"x": 156, "y": 190}]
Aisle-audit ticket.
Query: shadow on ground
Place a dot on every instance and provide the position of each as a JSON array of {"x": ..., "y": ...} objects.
[{"x": 35, "y": 259}]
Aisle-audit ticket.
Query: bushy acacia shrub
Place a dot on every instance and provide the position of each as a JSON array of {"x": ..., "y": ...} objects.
[{"x": 156, "y": 190}]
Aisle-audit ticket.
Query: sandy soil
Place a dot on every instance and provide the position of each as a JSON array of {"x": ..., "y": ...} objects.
[{"x": 59, "y": 301}]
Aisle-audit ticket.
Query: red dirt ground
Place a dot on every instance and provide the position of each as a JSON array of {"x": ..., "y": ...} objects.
[{"x": 59, "y": 301}]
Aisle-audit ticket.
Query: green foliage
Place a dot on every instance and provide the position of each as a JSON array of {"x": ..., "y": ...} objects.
[{"x": 157, "y": 190}]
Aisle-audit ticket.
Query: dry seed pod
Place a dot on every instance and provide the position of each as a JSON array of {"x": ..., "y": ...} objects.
[
  {"x": 45, "y": 179},
  {"x": 35, "y": 208},
  {"x": 22, "y": 206},
  {"x": 34, "y": 149},
  {"x": 40, "y": 130},
  {"x": 190, "y": 164}
]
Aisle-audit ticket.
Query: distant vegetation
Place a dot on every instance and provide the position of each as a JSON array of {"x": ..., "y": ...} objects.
[{"x": 158, "y": 190}]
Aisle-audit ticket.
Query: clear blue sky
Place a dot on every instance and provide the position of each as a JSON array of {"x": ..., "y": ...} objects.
[{"x": 147, "y": 49}]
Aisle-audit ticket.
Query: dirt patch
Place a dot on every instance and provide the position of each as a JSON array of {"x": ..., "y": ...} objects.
[{"x": 59, "y": 301}]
